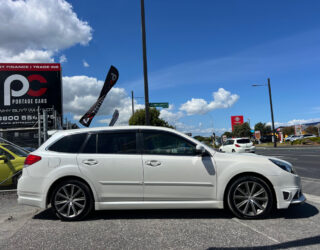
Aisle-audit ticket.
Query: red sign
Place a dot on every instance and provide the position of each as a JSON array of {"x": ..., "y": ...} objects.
[{"x": 236, "y": 120}]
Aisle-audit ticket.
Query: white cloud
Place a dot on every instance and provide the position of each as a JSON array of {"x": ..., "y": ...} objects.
[
  {"x": 34, "y": 30},
  {"x": 63, "y": 59},
  {"x": 171, "y": 117},
  {"x": 30, "y": 56},
  {"x": 81, "y": 92},
  {"x": 221, "y": 99},
  {"x": 85, "y": 64},
  {"x": 295, "y": 122}
]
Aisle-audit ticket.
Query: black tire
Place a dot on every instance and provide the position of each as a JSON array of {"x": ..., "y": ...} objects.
[
  {"x": 15, "y": 180},
  {"x": 83, "y": 202},
  {"x": 248, "y": 204},
  {"x": 233, "y": 151}
]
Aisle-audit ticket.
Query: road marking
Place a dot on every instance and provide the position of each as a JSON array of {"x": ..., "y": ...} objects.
[
  {"x": 313, "y": 198},
  {"x": 310, "y": 179},
  {"x": 255, "y": 230}
]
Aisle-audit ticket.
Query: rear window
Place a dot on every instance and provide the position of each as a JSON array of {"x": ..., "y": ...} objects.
[
  {"x": 243, "y": 141},
  {"x": 69, "y": 144}
]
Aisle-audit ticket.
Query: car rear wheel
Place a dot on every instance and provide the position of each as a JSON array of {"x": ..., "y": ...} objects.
[
  {"x": 72, "y": 200},
  {"x": 250, "y": 197}
]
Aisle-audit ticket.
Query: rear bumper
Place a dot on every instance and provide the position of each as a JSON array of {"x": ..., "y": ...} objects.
[
  {"x": 246, "y": 150},
  {"x": 29, "y": 192}
]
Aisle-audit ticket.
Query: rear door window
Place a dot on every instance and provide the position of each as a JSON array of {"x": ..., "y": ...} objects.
[
  {"x": 69, "y": 144},
  {"x": 117, "y": 143}
]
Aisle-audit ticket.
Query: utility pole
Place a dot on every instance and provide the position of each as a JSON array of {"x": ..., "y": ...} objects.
[
  {"x": 270, "y": 98},
  {"x": 145, "y": 70},
  {"x": 39, "y": 127},
  {"x": 273, "y": 129},
  {"x": 45, "y": 125},
  {"x": 132, "y": 102}
]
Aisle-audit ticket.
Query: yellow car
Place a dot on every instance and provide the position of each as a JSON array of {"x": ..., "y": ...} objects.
[{"x": 11, "y": 162}]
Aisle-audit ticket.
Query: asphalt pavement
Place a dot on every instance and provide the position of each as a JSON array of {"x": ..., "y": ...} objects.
[
  {"x": 23, "y": 227},
  {"x": 306, "y": 161},
  {"x": 296, "y": 227}
]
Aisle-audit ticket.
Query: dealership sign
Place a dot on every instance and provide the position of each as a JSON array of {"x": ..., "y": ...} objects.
[
  {"x": 24, "y": 88},
  {"x": 236, "y": 120}
]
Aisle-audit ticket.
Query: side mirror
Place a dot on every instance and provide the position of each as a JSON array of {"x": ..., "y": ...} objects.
[
  {"x": 3, "y": 158},
  {"x": 200, "y": 149}
]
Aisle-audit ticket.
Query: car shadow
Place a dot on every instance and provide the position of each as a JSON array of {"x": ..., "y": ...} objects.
[
  {"x": 283, "y": 245},
  {"x": 305, "y": 210}
]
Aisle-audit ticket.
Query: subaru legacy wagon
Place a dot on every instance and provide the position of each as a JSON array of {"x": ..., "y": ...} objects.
[{"x": 143, "y": 167}]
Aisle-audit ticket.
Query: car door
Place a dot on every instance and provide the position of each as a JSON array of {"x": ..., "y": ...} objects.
[
  {"x": 113, "y": 164},
  {"x": 229, "y": 146},
  {"x": 7, "y": 168},
  {"x": 173, "y": 171}
]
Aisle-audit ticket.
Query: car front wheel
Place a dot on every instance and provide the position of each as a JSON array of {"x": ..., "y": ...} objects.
[
  {"x": 250, "y": 197},
  {"x": 72, "y": 200}
]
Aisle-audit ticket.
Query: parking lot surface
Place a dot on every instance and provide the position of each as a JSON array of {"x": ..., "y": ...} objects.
[
  {"x": 23, "y": 227},
  {"x": 297, "y": 227}
]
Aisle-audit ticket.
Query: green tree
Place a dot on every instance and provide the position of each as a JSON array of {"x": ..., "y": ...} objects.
[
  {"x": 242, "y": 130},
  {"x": 288, "y": 130},
  {"x": 312, "y": 130},
  {"x": 263, "y": 128},
  {"x": 138, "y": 118},
  {"x": 227, "y": 134}
]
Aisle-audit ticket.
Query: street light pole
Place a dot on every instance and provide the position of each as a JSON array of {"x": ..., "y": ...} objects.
[
  {"x": 272, "y": 119},
  {"x": 145, "y": 70}
]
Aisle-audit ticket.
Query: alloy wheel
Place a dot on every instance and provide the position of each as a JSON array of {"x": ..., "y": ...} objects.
[
  {"x": 250, "y": 198},
  {"x": 70, "y": 200}
]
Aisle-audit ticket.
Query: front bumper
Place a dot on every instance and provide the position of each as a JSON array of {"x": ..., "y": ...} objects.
[
  {"x": 299, "y": 198},
  {"x": 290, "y": 193}
]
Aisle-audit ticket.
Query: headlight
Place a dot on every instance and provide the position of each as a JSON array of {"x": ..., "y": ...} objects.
[{"x": 285, "y": 166}]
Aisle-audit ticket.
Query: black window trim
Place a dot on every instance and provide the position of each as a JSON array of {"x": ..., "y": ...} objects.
[{"x": 141, "y": 131}]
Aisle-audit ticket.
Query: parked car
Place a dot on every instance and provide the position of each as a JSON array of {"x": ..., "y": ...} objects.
[
  {"x": 238, "y": 145},
  {"x": 296, "y": 137},
  {"x": 11, "y": 163},
  {"x": 308, "y": 136},
  {"x": 144, "y": 167},
  {"x": 288, "y": 138},
  {"x": 266, "y": 139}
]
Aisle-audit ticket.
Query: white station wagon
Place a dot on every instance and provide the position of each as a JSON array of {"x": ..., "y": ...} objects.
[{"x": 141, "y": 167}]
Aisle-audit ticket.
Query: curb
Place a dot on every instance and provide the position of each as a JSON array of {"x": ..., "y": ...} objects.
[{"x": 9, "y": 191}]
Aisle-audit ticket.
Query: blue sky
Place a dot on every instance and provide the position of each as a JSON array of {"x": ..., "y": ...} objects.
[{"x": 195, "y": 48}]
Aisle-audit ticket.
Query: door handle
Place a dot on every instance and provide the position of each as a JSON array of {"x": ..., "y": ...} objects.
[
  {"x": 153, "y": 163},
  {"x": 90, "y": 162}
]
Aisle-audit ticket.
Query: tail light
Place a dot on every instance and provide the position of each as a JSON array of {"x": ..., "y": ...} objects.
[
  {"x": 31, "y": 159},
  {"x": 237, "y": 145}
]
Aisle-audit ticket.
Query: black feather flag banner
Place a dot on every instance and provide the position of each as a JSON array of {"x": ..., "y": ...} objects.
[{"x": 110, "y": 81}]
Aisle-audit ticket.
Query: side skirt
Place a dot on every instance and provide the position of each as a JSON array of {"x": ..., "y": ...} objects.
[{"x": 157, "y": 205}]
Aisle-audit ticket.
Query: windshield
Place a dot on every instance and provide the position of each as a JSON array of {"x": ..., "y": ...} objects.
[{"x": 16, "y": 150}]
